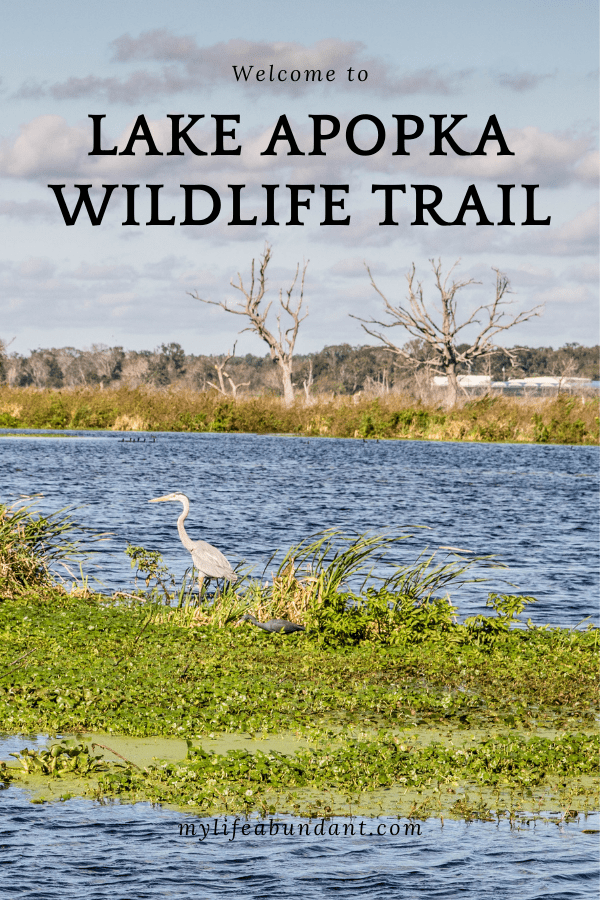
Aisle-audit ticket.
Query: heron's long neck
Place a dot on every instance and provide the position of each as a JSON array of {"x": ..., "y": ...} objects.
[{"x": 185, "y": 539}]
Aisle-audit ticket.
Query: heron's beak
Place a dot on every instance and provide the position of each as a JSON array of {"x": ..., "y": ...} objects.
[{"x": 159, "y": 499}]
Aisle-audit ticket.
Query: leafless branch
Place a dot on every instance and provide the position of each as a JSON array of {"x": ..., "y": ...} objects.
[
  {"x": 438, "y": 329},
  {"x": 281, "y": 345}
]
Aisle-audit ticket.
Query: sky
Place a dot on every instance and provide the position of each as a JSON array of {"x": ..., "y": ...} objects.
[{"x": 533, "y": 65}]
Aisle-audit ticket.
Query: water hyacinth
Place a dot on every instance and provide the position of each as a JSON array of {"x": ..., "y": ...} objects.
[{"x": 385, "y": 690}]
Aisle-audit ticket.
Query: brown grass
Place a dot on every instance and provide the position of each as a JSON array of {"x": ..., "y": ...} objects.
[{"x": 562, "y": 419}]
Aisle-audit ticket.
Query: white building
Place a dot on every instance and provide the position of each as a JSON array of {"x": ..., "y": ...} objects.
[{"x": 467, "y": 381}]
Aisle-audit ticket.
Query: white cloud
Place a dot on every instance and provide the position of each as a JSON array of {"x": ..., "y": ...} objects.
[
  {"x": 564, "y": 294},
  {"x": 185, "y": 65},
  {"x": 45, "y": 145},
  {"x": 103, "y": 272},
  {"x": 579, "y": 236},
  {"x": 350, "y": 267},
  {"x": 36, "y": 267},
  {"x": 584, "y": 273},
  {"x": 588, "y": 170}
]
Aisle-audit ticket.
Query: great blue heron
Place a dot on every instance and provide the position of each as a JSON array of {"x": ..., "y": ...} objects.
[
  {"x": 275, "y": 626},
  {"x": 209, "y": 561}
]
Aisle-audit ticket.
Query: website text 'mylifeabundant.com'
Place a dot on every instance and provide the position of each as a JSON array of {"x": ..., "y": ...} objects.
[{"x": 238, "y": 829}]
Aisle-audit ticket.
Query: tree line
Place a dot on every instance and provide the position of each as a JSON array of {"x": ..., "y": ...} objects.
[
  {"x": 433, "y": 347},
  {"x": 340, "y": 369}
]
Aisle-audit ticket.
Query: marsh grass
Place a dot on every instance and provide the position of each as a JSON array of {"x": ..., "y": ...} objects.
[
  {"x": 333, "y": 584},
  {"x": 564, "y": 419},
  {"x": 37, "y": 550}
]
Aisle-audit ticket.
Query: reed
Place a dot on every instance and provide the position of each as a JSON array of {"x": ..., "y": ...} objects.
[
  {"x": 564, "y": 419},
  {"x": 35, "y": 549},
  {"x": 344, "y": 589}
]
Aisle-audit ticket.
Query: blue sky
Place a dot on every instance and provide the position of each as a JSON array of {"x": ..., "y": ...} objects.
[{"x": 532, "y": 64}]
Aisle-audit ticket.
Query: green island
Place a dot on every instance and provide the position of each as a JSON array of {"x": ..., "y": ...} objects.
[
  {"x": 563, "y": 419},
  {"x": 385, "y": 704}
]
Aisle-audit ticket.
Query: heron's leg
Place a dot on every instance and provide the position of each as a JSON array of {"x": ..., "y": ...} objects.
[{"x": 200, "y": 582}]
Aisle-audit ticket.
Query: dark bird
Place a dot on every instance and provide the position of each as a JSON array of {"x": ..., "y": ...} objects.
[
  {"x": 209, "y": 561},
  {"x": 275, "y": 626}
]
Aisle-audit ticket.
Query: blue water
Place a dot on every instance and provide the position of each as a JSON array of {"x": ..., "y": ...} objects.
[
  {"x": 79, "y": 849},
  {"x": 534, "y": 507}
]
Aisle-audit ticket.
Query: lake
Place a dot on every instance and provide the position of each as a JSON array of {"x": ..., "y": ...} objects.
[
  {"x": 534, "y": 507},
  {"x": 78, "y": 848}
]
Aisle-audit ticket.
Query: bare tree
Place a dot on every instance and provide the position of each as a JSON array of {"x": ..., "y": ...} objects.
[
  {"x": 3, "y": 358},
  {"x": 222, "y": 374},
  {"x": 15, "y": 370},
  {"x": 308, "y": 383},
  {"x": 564, "y": 370},
  {"x": 437, "y": 331},
  {"x": 135, "y": 370},
  {"x": 108, "y": 363},
  {"x": 281, "y": 346}
]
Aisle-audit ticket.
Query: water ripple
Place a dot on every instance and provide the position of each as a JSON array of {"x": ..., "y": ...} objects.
[
  {"x": 534, "y": 507},
  {"x": 81, "y": 849}
]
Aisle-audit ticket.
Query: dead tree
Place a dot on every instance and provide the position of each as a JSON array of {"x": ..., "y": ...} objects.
[
  {"x": 222, "y": 374},
  {"x": 308, "y": 383},
  {"x": 4, "y": 345},
  {"x": 281, "y": 346},
  {"x": 437, "y": 331}
]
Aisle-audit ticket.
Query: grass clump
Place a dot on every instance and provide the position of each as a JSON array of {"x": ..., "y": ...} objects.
[
  {"x": 327, "y": 583},
  {"x": 34, "y": 548}
]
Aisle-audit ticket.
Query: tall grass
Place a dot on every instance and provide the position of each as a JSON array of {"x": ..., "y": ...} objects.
[
  {"x": 563, "y": 419},
  {"x": 343, "y": 589},
  {"x": 38, "y": 552}
]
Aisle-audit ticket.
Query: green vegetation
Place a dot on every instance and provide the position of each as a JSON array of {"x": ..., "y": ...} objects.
[
  {"x": 561, "y": 420},
  {"x": 32, "y": 545},
  {"x": 385, "y": 690},
  {"x": 340, "y": 369}
]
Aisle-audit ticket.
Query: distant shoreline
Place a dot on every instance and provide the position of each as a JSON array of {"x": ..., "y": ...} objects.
[{"x": 563, "y": 419}]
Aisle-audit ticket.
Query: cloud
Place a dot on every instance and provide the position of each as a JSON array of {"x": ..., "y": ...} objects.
[
  {"x": 45, "y": 145},
  {"x": 158, "y": 44},
  {"x": 350, "y": 267},
  {"x": 588, "y": 170},
  {"x": 49, "y": 146},
  {"x": 104, "y": 272},
  {"x": 578, "y": 236},
  {"x": 185, "y": 65},
  {"x": 583, "y": 273},
  {"x": 36, "y": 267},
  {"x": 540, "y": 157},
  {"x": 27, "y": 210},
  {"x": 564, "y": 294},
  {"x": 523, "y": 81}
]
